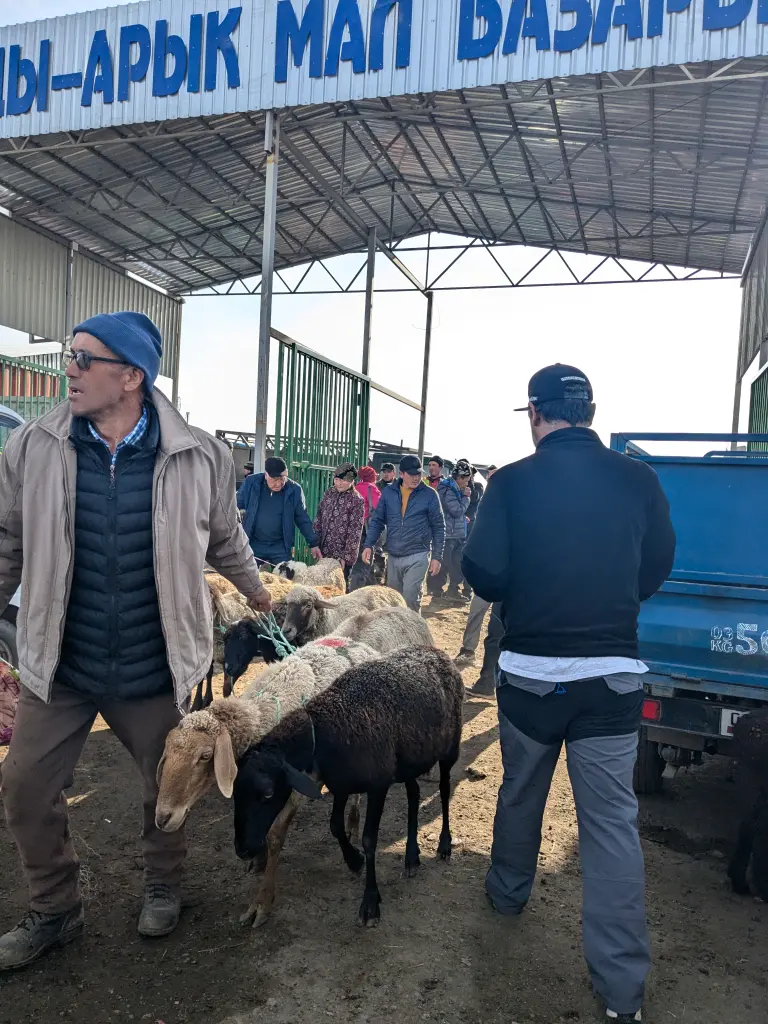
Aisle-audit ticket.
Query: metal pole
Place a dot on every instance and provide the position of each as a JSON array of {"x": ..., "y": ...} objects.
[
  {"x": 425, "y": 375},
  {"x": 272, "y": 148},
  {"x": 369, "y": 301}
]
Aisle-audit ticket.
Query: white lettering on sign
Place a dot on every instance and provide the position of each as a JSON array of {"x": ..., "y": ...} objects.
[{"x": 721, "y": 640}]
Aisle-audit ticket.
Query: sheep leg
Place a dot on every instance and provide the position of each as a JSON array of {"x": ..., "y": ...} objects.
[
  {"x": 739, "y": 864},
  {"x": 258, "y": 912},
  {"x": 369, "y": 908},
  {"x": 209, "y": 687},
  {"x": 197, "y": 703},
  {"x": 446, "y": 840},
  {"x": 757, "y": 869},
  {"x": 412, "y": 851},
  {"x": 353, "y": 818},
  {"x": 352, "y": 856}
]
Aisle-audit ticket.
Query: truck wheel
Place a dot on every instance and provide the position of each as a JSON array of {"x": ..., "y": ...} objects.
[
  {"x": 649, "y": 768},
  {"x": 8, "y": 651}
]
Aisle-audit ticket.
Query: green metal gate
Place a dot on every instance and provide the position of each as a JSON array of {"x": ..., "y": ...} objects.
[
  {"x": 321, "y": 421},
  {"x": 29, "y": 388}
]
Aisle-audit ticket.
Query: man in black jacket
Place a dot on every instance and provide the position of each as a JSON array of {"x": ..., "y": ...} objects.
[{"x": 570, "y": 541}]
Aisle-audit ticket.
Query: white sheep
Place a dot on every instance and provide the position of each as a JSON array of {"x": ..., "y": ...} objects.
[
  {"x": 387, "y": 629},
  {"x": 308, "y": 616},
  {"x": 328, "y": 572}
]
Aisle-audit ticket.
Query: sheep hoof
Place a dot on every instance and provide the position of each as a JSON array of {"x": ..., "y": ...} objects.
[
  {"x": 247, "y": 918},
  {"x": 444, "y": 847},
  {"x": 370, "y": 915},
  {"x": 411, "y": 870}
]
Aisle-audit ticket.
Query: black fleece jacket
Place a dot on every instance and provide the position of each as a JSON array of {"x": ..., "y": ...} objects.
[{"x": 570, "y": 541}]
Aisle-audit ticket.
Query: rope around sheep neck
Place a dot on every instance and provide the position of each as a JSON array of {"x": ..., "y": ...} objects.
[{"x": 275, "y": 634}]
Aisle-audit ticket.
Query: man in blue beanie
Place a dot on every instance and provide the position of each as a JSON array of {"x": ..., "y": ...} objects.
[{"x": 110, "y": 506}]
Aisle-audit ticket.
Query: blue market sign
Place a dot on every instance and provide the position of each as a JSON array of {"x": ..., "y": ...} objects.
[{"x": 321, "y": 36}]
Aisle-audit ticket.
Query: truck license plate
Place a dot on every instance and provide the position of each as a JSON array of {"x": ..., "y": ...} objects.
[{"x": 728, "y": 719}]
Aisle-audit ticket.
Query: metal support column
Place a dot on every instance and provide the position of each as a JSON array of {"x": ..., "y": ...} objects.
[
  {"x": 370, "y": 269},
  {"x": 272, "y": 147},
  {"x": 425, "y": 374}
]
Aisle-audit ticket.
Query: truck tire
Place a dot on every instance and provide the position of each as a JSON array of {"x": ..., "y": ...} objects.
[
  {"x": 649, "y": 767},
  {"x": 8, "y": 650}
]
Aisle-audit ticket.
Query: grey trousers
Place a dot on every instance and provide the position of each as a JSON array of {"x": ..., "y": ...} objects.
[
  {"x": 477, "y": 610},
  {"x": 614, "y": 928},
  {"x": 406, "y": 575}
]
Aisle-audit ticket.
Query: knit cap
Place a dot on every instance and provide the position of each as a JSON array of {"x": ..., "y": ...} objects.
[{"x": 131, "y": 336}]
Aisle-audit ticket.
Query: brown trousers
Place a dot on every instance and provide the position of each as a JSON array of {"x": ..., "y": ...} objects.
[{"x": 47, "y": 742}]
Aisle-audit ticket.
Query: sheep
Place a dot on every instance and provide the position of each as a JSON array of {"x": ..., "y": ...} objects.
[
  {"x": 328, "y": 571},
  {"x": 387, "y": 629},
  {"x": 383, "y": 722},
  {"x": 308, "y": 616},
  {"x": 203, "y": 749},
  {"x": 384, "y": 629},
  {"x": 363, "y": 575},
  {"x": 748, "y": 868}
]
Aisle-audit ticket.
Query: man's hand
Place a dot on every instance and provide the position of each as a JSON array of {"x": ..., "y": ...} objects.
[
  {"x": 367, "y": 552},
  {"x": 434, "y": 567},
  {"x": 261, "y": 602},
  {"x": 467, "y": 492},
  {"x": 316, "y": 553}
]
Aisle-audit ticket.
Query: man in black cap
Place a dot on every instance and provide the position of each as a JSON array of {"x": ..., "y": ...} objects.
[
  {"x": 387, "y": 476},
  {"x": 273, "y": 509},
  {"x": 570, "y": 540},
  {"x": 413, "y": 517}
]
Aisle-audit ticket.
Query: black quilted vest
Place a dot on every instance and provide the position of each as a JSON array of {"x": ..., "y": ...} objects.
[{"x": 113, "y": 643}]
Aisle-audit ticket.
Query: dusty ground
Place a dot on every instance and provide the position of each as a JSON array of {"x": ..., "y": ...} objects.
[{"x": 440, "y": 955}]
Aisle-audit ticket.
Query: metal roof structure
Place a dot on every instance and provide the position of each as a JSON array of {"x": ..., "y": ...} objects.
[
  {"x": 667, "y": 165},
  {"x": 634, "y": 131}
]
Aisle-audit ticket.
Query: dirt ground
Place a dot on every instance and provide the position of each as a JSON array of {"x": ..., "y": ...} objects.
[{"x": 440, "y": 954}]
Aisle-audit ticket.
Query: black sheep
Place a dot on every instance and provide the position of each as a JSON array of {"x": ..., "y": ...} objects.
[
  {"x": 242, "y": 643},
  {"x": 386, "y": 721},
  {"x": 748, "y": 869}
]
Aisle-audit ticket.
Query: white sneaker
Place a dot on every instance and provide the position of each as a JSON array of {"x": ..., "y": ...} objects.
[{"x": 624, "y": 1018}]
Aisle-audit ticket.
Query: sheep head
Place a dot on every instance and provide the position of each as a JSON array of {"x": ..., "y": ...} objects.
[
  {"x": 301, "y": 608},
  {"x": 198, "y": 753},
  {"x": 264, "y": 783},
  {"x": 286, "y": 570},
  {"x": 242, "y": 643}
]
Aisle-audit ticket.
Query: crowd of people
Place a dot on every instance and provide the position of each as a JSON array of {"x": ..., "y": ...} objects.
[{"x": 110, "y": 507}]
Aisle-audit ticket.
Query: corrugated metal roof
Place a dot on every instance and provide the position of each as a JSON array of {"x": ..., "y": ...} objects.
[
  {"x": 675, "y": 172},
  {"x": 33, "y": 281},
  {"x": 754, "y": 306},
  {"x": 433, "y": 67}
]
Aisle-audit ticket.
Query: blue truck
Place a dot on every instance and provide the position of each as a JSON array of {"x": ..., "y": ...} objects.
[{"x": 704, "y": 635}]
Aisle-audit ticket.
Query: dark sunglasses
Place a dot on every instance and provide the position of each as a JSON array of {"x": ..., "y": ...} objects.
[{"x": 84, "y": 360}]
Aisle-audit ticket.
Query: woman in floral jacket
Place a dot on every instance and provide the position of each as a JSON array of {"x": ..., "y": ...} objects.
[{"x": 339, "y": 520}]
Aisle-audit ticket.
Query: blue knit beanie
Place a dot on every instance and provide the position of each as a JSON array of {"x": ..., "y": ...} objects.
[{"x": 131, "y": 336}]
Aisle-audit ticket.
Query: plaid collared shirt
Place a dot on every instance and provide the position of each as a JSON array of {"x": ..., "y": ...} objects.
[{"x": 133, "y": 438}]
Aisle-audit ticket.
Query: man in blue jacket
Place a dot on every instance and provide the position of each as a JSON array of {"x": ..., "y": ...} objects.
[
  {"x": 274, "y": 508},
  {"x": 570, "y": 541},
  {"x": 413, "y": 517},
  {"x": 455, "y": 495}
]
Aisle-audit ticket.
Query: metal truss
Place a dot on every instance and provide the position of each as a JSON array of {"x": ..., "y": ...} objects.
[
  {"x": 633, "y": 168},
  {"x": 537, "y": 268}
]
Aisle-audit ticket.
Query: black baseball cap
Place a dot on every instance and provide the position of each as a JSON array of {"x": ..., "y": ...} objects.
[
  {"x": 410, "y": 464},
  {"x": 556, "y": 384}
]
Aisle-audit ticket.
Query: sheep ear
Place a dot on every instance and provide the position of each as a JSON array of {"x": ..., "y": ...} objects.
[
  {"x": 224, "y": 764},
  {"x": 302, "y": 783},
  {"x": 159, "y": 772}
]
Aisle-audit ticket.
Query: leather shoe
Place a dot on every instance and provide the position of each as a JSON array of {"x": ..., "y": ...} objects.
[
  {"x": 36, "y": 934},
  {"x": 161, "y": 910}
]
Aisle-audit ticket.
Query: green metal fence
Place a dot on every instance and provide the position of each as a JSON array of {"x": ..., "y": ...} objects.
[
  {"x": 29, "y": 388},
  {"x": 758, "y": 408},
  {"x": 321, "y": 421}
]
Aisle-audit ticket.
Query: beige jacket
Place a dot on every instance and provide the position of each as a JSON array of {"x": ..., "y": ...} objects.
[{"x": 195, "y": 520}]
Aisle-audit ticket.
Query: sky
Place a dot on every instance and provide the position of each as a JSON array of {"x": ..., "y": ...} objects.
[{"x": 661, "y": 357}]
